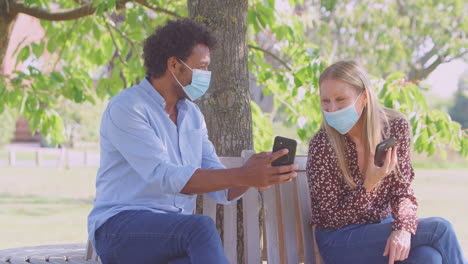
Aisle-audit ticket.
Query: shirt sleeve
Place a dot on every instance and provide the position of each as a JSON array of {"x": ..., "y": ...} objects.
[
  {"x": 402, "y": 200},
  {"x": 210, "y": 160},
  {"x": 128, "y": 129},
  {"x": 332, "y": 204}
]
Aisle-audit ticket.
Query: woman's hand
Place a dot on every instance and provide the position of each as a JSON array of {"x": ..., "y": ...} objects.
[
  {"x": 398, "y": 246},
  {"x": 375, "y": 173}
]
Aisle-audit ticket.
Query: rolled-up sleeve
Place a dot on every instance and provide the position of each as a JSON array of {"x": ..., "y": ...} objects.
[
  {"x": 403, "y": 202},
  {"x": 131, "y": 134}
]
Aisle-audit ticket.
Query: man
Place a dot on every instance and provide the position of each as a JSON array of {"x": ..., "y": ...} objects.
[{"x": 156, "y": 157}]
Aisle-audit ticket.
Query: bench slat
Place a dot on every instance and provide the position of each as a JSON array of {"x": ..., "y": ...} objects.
[
  {"x": 230, "y": 232},
  {"x": 271, "y": 225},
  {"x": 232, "y": 162},
  {"x": 209, "y": 207},
  {"x": 301, "y": 160},
  {"x": 251, "y": 226},
  {"x": 289, "y": 222},
  {"x": 305, "y": 214}
]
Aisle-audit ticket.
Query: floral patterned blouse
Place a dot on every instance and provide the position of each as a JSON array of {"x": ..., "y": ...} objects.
[{"x": 335, "y": 204}]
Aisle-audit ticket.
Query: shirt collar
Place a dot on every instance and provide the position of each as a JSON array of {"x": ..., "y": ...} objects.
[{"x": 146, "y": 85}]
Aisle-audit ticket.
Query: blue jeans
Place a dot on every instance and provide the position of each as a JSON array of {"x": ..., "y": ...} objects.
[
  {"x": 147, "y": 237},
  {"x": 434, "y": 242}
]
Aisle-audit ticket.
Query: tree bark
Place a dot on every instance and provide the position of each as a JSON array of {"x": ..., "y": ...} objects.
[
  {"x": 226, "y": 106},
  {"x": 7, "y": 21}
]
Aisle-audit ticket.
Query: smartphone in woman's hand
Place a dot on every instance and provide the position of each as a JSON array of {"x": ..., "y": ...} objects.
[{"x": 381, "y": 149}]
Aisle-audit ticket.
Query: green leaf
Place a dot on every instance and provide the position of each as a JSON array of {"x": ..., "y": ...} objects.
[
  {"x": 57, "y": 77},
  {"x": 38, "y": 49},
  {"x": 24, "y": 53},
  {"x": 51, "y": 45}
]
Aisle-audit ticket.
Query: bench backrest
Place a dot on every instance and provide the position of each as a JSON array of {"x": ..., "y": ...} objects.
[{"x": 287, "y": 236}]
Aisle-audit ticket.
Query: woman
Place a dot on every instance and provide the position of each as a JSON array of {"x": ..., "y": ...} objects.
[{"x": 365, "y": 213}]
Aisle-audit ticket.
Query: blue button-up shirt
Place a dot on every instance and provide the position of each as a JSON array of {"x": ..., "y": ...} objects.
[{"x": 146, "y": 159}]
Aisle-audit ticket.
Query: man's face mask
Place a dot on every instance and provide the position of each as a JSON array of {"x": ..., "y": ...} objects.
[{"x": 199, "y": 85}]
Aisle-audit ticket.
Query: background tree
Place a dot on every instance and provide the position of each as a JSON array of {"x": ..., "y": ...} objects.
[
  {"x": 459, "y": 111},
  {"x": 290, "y": 68},
  {"x": 8, "y": 121},
  {"x": 413, "y": 37}
]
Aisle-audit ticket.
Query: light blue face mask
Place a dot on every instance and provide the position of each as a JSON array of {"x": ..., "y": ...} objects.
[
  {"x": 344, "y": 119},
  {"x": 200, "y": 83}
]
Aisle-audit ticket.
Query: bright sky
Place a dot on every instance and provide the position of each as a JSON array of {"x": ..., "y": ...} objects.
[{"x": 444, "y": 80}]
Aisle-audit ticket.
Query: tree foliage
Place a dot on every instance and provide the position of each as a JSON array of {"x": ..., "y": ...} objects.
[
  {"x": 8, "y": 121},
  {"x": 459, "y": 111},
  {"x": 99, "y": 54},
  {"x": 413, "y": 37},
  {"x": 294, "y": 84}
]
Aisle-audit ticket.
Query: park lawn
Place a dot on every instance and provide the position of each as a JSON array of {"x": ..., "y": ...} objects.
[{"x": 41, "y": 206}]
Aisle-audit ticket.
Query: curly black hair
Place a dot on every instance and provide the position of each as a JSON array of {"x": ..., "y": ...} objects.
[{"x": 176, "y": 38}]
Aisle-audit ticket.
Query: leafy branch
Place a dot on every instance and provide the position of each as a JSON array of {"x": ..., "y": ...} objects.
[
  {"x": 115, "y": 44},
  {"x": 61, "y": 15},
  {"x": 79, "y": 12},
  {"x": 274, "y": 56}
]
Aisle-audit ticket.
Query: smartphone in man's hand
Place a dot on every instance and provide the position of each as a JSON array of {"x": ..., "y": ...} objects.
[
  {"x": 381, "y": 149},
  {"x": 282, "y": 143}
]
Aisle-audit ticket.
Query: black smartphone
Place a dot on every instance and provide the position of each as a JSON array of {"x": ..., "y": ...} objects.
[
  {"x": 381, "y": 149},
  {"x": 281, "y": 143}
]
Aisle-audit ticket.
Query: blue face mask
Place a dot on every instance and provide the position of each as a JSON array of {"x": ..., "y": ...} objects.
[
  {"x": 200, "y": 83},
  {"x": 344, "y": 119}
]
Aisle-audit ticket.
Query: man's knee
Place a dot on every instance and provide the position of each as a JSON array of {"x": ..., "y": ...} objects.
[
  {"x": 202, "y": 229},
  {"x": 204, "y": 222}
]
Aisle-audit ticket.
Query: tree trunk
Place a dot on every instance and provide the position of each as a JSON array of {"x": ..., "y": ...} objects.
[
  {"x": 7, "y": 21},
  {"x": 226, "y": 106}
]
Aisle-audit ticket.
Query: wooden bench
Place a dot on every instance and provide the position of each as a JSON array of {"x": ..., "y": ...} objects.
[{"x": 287, "y": 239}]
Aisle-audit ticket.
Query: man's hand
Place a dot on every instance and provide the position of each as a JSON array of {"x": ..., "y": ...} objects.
[
  {"x": 259, "y": 173},
  {"x": 398, "y": 246}
]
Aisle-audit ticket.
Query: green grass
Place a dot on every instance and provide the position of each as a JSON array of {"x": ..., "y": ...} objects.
[
  {"x": 444, "y": 193},
  {"x": 437, "y": 161},
  {"x": 40, "y": 206}
]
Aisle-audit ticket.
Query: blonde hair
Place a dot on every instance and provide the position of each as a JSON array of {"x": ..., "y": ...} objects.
[{"x": 375, "y": 117}]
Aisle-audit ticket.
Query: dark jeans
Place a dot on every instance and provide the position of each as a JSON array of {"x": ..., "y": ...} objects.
[
  {"x": 147, "y": 237},
  {"x": 434, "y": 242}
]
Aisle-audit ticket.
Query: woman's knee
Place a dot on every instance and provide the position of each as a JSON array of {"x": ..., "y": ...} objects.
[
  {"x": 437, "y": 223},
  {"x": 423, "y": 255}
]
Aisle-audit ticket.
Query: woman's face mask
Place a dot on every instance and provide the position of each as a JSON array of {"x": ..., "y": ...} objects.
[
  {"x": 344, "y": 119},
  {"x": 199, "y": 85}
]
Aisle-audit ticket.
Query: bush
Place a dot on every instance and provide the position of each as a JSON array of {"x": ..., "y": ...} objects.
[{"x": 8, "y": 124}]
